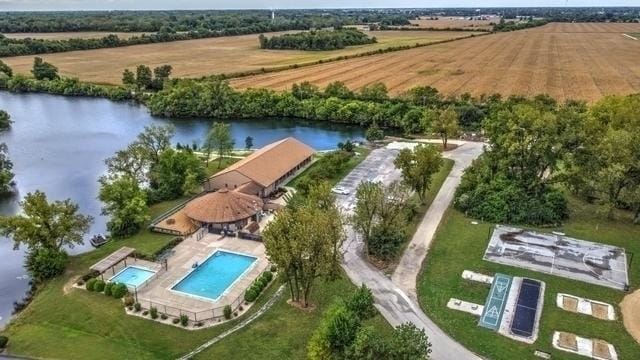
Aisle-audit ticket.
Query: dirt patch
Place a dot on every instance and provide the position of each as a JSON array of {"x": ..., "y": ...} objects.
[
  {"x": 600, "y": 311},
  {"x": 300, "y": 306},
  {"x": 66, "y": 289},
  {"x": 601, "y": 349},
  {"x": 568, "y": 341},
  {"x": 630, "y": 307},
  {"x": 570, "y": 303}
]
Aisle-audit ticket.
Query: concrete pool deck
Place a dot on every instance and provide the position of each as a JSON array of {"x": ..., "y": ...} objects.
[{"x": 159, "y": 294}]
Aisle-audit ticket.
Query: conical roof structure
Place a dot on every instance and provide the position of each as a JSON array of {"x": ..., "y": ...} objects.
[{"x": 223, "y": 206}]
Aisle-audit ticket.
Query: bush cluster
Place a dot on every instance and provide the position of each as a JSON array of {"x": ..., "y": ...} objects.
[
  {"x": 3, "y": 342},
  {"x": 90, "y": 284},
  {"x": 256, "y": 288},
  {"x": 317, "y": 40},
  {"x": 119, "y": 290},
  {"x": 98, "y": 286},
  {"x": 227, "y": 312},
  {"x": 154, "y": 312},
  {"x": 184, "y": 320}
]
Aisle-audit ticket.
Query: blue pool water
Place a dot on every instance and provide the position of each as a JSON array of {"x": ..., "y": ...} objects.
[
  {"x": 211, "y": 278},
  {"x": 132, "y": 276}
]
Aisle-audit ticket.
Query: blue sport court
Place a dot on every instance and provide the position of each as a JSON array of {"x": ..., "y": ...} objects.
[{"x": 496, "y": 301}]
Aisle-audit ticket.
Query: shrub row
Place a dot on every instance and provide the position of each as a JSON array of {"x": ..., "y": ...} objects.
[
  {"x": 256, "y": 288},
  {"x": 115, "y": 290}
]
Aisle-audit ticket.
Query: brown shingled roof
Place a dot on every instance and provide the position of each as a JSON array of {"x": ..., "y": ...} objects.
[
  {"x": 271, "y": 162},
  {"x": 223, "y": 206}
]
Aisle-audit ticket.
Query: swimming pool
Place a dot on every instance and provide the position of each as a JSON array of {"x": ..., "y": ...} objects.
[
  {"x": 215, "y": 275},
  {"x": 132, "y": 276}
]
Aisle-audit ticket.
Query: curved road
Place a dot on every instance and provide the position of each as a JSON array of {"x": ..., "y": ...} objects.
[{"x": 396, "y": 298}]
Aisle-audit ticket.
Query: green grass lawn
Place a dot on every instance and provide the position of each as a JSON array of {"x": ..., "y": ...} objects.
[
  {"x": 283, "y": 331},
  {"x": 335, "y": 177},
  {"x": 215, "y": 165},
  {"x": 459, "y": 245}
]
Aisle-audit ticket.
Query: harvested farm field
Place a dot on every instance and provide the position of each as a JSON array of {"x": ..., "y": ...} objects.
[
  {"x": 567, "y": 61},
  {"x": 196, "y": 58},
  {"x": 448, "y": 22},
  {"x": 72, "y": 35}
]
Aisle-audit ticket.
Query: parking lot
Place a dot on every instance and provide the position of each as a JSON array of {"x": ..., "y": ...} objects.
[{"x": 377, "y": 167}]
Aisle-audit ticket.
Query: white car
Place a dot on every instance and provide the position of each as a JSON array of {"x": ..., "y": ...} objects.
[{"x": 340, "y": 190}]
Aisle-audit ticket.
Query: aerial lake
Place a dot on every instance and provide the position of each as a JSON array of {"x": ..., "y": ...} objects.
[{"x": 58, "y": 145}]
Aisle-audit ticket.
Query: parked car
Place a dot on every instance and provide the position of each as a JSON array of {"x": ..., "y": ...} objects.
[{"x": 340, "y": 190}]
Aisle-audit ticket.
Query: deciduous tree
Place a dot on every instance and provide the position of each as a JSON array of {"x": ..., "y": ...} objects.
[
  {"x": 125, "y": 203},
  {"x": 446, "y": 125},
  {"x": 220, "y": 139},
  {"x": 305, "y": 240},
  {"x": 43, "y": 70},
  {"x": 418, "y": 166}
]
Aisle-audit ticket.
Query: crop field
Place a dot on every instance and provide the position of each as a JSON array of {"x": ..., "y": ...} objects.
[
  {"x": 72, "y": 35},
  {"x": 566, "y": 61},
  {"x": 195, "y": 58},
  {"x": 447, "y": 22}
]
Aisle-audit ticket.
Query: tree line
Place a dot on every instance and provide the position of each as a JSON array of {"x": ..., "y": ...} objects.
[
  {"x": 189, "y": 20},
  {"x": 539, "y": 149},
  {"x": 316, "y": 40}
]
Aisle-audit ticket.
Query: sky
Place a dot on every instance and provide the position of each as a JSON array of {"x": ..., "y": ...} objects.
[{"x": 287, "y": 4}]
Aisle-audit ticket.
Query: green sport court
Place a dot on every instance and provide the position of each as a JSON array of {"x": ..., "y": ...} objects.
[{"x": 496, "y": 301}]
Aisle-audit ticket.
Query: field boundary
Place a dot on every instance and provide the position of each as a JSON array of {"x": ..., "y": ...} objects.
[
  {"x": 268, "y": 70},
  {"x": 630, "y": 37}
]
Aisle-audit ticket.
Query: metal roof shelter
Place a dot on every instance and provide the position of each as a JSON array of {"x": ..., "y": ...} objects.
[{"x": 113, "y": 259}]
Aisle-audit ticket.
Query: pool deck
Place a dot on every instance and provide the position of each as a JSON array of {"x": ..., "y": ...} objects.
[{"x": 158, "y": 293}]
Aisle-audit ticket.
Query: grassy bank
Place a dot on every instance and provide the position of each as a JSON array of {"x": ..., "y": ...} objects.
[
  {"x": 284, "y": 331},
  {"x": 459, "y": 245},
  {"x": 360, "y": 153}
]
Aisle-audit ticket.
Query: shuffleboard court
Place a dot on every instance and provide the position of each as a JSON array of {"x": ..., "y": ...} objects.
[
  {"x": 559, "y": 255},
  {"x": 524, "y": 319},
  {"x": 496, "y": 301}
]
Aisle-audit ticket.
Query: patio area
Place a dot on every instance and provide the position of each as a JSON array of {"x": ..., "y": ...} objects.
[{"x": 159, "y": 292}]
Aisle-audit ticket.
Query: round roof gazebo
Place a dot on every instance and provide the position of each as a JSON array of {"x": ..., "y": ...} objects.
[{"x": 223, "y": 207}]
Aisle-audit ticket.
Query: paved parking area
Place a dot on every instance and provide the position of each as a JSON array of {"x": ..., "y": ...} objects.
[{"x": 377, "y": 167}]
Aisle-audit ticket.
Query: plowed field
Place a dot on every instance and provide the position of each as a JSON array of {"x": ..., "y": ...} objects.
[{"x": 568, "y": 61}]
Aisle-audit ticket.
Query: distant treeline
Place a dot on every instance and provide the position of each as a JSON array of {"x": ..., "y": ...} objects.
[
  {"x": 184, "y": 21},
  {"x": 28, "y": 46},
  {"x": 505, "y": 26},
  {"x": 317, "y": 40}
]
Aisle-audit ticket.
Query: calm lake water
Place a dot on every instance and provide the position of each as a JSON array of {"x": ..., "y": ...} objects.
[{"x": 58, "y": 145}]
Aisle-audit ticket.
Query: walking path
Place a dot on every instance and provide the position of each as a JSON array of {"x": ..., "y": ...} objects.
[{"x": 396, "y": 298}]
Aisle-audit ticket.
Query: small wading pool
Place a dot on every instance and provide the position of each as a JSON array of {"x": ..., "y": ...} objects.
[
  {"x": 132, "y": 276},
  {"x": 215, "y": 275}
]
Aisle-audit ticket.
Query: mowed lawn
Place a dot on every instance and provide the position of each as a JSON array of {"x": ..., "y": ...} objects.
[
  {"x": 196, "y": 58},
  {"x": 460, "y": 245},
  {"x": 68, "y": 323}
]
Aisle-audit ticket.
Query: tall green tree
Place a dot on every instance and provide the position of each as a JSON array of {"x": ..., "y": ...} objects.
[
  {"x": 220, "y": 139},
  {"x": 369, "y": 198},
  {"x": 125, "y": 203},
  {"x": 418, "y": 166},
  {"x": 156, "y": 139},
  {"x": 43, "y": 70},
  {"x": 128, "y": 77},
  {"x": 43, "y": 224},
  {"x": 304, "y": 241},
  {"x": 5, "y": 69},
  {"x": 175, "y": 168},
  {"x": 144, "y": 77},
  {"x": 6, "y": 171},
  {"x": 446, "y": 125},
  {"x": 5, "y": 120},
  {"x": 248, "y": 142}
]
